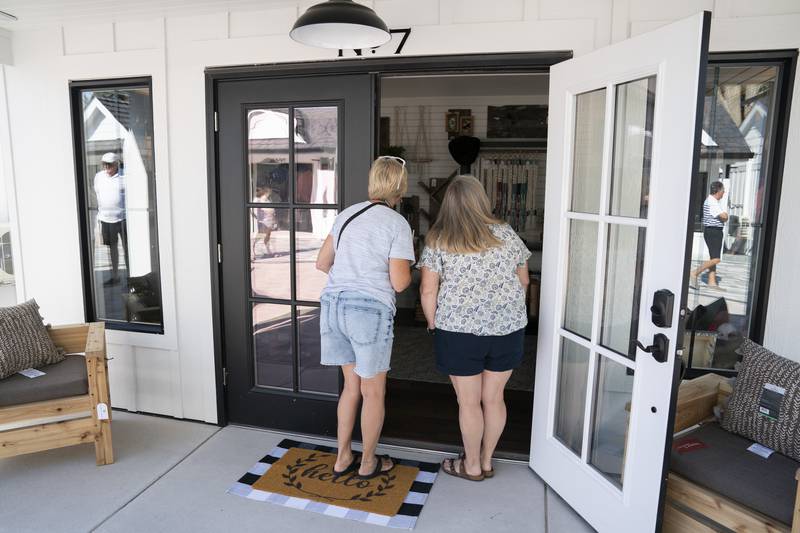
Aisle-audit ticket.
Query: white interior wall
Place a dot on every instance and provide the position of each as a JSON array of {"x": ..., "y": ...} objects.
[
  {"x": 435, "y": 109},
  {"x": 174, "y": 374}
]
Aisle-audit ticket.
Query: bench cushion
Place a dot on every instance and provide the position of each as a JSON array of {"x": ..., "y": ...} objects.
[
  {"x": 61, "y": 380},
  {"x": 726, "y": 467},
  {"x": 24, "y": 341}
]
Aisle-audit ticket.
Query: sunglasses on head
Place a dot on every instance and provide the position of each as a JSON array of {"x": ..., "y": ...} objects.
[{"x": 394, "y": 158}]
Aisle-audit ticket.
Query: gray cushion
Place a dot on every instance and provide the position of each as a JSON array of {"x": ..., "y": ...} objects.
[
  {"x": 725, "y": 466},
  {"x": 24, "y": 342},
  {"x": 67, "y": 378},
  {"x": 745, "y": 412}
]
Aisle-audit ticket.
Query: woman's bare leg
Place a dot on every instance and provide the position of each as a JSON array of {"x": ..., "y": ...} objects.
[
  {"x": 373, "y": 390},
  {"x": 346, "y": 416},
  {"x": 494, "y": 413},
  {"x": 470, "y": 419}
]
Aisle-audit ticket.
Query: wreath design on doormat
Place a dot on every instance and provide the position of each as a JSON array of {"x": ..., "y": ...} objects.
[{"x": 290, "y": 476}]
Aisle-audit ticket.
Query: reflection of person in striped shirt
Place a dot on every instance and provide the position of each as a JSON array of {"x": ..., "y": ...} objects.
[{"x": 714, "y": 218}]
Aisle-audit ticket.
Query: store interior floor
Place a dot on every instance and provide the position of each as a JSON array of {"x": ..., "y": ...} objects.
[{"x": 171, "y": 476}]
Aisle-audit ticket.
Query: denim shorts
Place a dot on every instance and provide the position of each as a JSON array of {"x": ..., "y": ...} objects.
[{"x": 356, "y": 329}]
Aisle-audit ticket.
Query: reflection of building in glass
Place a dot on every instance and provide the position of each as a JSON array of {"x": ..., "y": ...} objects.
[
  {"x": 118, "y": 122},
  {"x": 736, "y": 123},
  {"x": 315, "y": 159}
]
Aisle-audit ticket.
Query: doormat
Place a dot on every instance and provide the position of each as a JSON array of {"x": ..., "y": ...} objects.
[{"x": 299, "y": 475}]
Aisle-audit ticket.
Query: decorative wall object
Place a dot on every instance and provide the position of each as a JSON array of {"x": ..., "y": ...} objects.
[
  {"x": 517, "y": 122},
  {"x": 465, "y": 125},
  {"x": 451, "y": 123}
]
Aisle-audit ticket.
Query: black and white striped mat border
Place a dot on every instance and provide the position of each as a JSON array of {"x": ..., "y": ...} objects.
[{"x": 406, "y": 518}]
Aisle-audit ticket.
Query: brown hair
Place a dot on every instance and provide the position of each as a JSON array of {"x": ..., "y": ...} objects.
[
  {"x": 388, "y": 179},
  {"x": 462, "y": 226}
]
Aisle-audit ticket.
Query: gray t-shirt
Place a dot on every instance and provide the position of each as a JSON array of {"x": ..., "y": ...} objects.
[{"x": 362, "y": 257}]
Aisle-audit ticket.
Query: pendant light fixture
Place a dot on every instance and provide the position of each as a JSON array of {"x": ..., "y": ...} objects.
[{"x": 340, "y": 24}]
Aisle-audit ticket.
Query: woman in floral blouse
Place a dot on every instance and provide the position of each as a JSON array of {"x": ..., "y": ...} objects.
[{"x": 474, "y": 276}]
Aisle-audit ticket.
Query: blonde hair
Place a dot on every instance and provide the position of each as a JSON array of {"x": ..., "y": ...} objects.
[
  {"x": 388, "y": 179},
  {"x": 462, "y": 226}
]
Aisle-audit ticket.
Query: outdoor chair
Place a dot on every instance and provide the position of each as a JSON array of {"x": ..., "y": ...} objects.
[
  {"x": 68, "y": 405},
  {"x": 722, "y": 486}
]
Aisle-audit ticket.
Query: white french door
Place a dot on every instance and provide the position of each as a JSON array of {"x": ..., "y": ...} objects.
[{"x": 620, "y": 156}]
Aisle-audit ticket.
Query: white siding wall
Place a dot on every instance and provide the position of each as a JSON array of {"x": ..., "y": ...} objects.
[{"x": 174, "y": 374}]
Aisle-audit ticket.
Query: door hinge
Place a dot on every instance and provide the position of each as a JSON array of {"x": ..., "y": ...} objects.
[
  {"x": 224, "y": 377},
  {"x": 216, "y": 121},
  {"x": 219, "y": 252}
]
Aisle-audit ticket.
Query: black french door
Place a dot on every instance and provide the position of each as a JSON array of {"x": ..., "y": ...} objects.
[{"x": 292, "y": 152}]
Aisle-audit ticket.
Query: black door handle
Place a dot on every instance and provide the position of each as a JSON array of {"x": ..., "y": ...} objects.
[{"x": 659, "y": 349}]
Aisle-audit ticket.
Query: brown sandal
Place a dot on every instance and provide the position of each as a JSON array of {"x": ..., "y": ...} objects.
[
  {"x": 449, "y": 467},
  {"x": 488, "y": 473}
]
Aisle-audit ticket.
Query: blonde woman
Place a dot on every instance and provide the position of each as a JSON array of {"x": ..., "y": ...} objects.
[
  {"x": 368, "y": 257},
  {"x": 474, "y": 276}
]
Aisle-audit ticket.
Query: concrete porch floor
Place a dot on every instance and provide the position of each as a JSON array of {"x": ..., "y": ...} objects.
[{"x": 172, "y": 475}]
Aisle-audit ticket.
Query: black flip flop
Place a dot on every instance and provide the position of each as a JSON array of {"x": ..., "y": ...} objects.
[
  {"x": 378, "y": 465},
  {"x": 352, "y": 466}
]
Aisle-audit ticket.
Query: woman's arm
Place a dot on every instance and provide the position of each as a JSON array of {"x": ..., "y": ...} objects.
[
  {"x": 429, "y": 292},
  {"x": 326, "y": 255},
  {"x": 399, "y": 274},
  {"x": 522, "y": 274}
]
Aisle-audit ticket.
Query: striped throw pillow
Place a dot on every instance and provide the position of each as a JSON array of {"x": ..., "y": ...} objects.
[
  {"x": 24, "y": 342},
  {"x": 765, "y": 403}
]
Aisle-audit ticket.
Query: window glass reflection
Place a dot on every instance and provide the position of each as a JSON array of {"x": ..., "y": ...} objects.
[
  {"x": 312, "y": 227},
  {"x": 314, "y": 377},
  {"x": 315, "y": 148},
  {"x": 119, "y": 174},
  {"x": 8, "y": 292},
  {"x": 728, "y": 212},
  {"x": 272, "y": 341},
  {"x": 270, "y": 270},
  {"x": 268, "y": 154}
]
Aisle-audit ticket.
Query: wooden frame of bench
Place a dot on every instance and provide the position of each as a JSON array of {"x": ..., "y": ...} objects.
[
  {"x": 692, "y": 508},
  {"x": 89, "y": 339}
]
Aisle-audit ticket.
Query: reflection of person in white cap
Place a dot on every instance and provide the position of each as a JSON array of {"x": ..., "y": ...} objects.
[{"x": 109, "y": 187}]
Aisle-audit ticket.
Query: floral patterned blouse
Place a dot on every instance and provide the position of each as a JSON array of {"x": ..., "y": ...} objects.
[{"x": 480, "y": 293}]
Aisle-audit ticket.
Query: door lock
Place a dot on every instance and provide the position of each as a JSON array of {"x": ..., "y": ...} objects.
[
  {"x": 659, "y": 349},
  {"x": 661, "y": 310}
]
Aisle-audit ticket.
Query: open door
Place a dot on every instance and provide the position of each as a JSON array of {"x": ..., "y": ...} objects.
[{"x": 621, "y": 156}]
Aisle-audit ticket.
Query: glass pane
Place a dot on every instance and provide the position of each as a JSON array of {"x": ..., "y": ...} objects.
[
  {"x": 633, "y": 147},
  {"x": 8, "y": 292},
  {"x": 613, "y": 391},
  {"x": 580, "y": 277},
  {"x": 270, "y": 273},
  {"x": 573, "y": 376},
  {"x": 623, "y": 288},
  {"x": 313, "y": 376},
  {"x": 735, "y": 149},
  {"x": 272, "y": 345},
  {"x": 119, "y": 183},
  {"x": 315, "y": 145},
  {"x": 312, "y": 226},
  {"x": 587, "y": 162},
  {"x": 268, "y": 154}
]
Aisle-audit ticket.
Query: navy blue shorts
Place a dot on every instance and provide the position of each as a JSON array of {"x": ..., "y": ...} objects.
[{"x": 465, "y": 354}]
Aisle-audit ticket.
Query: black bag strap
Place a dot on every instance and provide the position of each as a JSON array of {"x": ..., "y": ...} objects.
[{"x": 349, "y": 220}]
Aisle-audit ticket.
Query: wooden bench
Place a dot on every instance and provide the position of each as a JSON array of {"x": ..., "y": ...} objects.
[
  {"x": 41, "y": 425},
  {"x": 692, "y": 508}
]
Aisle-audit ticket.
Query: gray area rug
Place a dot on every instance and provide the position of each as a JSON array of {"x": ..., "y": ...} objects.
[{"x": 413, "y": 359}]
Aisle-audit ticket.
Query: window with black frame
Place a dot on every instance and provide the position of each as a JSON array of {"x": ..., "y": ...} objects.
[
  {"x": 735, "y": 207},
  {"x": 114, "y": 153}
]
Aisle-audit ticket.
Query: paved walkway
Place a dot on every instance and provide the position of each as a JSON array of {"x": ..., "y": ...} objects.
[{"x": 172, "y": 475}]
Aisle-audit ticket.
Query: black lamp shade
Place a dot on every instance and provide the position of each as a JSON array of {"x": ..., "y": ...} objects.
[{"x": 340, "y": 24}]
